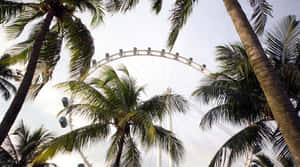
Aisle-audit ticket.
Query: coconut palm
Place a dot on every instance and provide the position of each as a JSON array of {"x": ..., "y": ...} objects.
[
  {"x": 276, "y": 96},
  {"x": 238, "y": 97},
  {"x": 22, "y": 146},
  {"x": 50, "y": 21},
  {"x": 114, "y": 101},
  {"x": 238, "y": 100},
  {"x": 6, "y": 75}
]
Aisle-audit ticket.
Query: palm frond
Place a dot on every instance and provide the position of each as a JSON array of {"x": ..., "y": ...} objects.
[
  {"x": 167, "y": 141},
  {"x": 73, "y": 140},
  {"x": 10, "y": 10},
  {"x": 48, "y": 58},
  {"x": 290, "y": 75},
  {"x": 16, "y": 27},
  {"x": 131, "y": 156},
  {"x": 95, "y": 7},
  {"x": 90, "y": 112},
  {"x": 120, "y": 5},
  {"x": 156, "y": 5},
  {"x": 144, "y": 127},
  {"x": 241, "y": 143},
  {"x": 180, "y": 13},
  {"x": 234, "y": 60},
  {"x": 5, "y": 158},
  {"x": 81, "y": 52},
  {"x": 158, "y": 106},
  {"x": 261, "y": 11},
  {"x": 113, "y": 149},
  {"x": 86, "y": 93},
  {"x": 282, "y": 41},
  {"x": 280, "y": 145},
  {"x": 264, "y": 160},
  {"x": 5, "y": 91},
  {"x": 21, "y": 51},
  {"x": 287, "y": 161}
]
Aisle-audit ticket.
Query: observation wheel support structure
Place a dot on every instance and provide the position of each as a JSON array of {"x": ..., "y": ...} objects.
[{"x": 148, "y": 52}]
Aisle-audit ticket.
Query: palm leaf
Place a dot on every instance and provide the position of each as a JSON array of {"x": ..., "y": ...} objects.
[
  {"x": 156, "y": 5},
  {"x": 15, "y": 28},
  {"x": 241, "y": 143},
  {"x": 48, "y": 58},
  {"x": 95, "y": 7},
  {"x": 287, "y": 162},
  {"x": 261, "y": 11},
  {"x": 113, "y": 149},
  {"x": 131, "y": 156},
  {"x": 263, "y": 160},
  {"x": 5, "y": 158},
  {"x": 180, "y": 13},
  {"x": 158, "y": 106},
  {"x": 86, "y": 92},
  {"x": 120, "y": 5},
  {"x": 280, "y": 145},
  {"x": 73, "y": 140},
  {"x": 282, "y": 41},
  {"x": 81, "y": 52},
  {"x": 167, "y": 141},
  {"x": 10, "y": 10}
]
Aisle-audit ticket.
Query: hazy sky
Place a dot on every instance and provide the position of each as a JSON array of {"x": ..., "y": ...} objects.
[{"x": 208, "y": 27}]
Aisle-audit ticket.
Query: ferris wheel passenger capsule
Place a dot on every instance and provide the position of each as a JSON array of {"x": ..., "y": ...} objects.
[
  {"x": 63, "y": 122},
  {"x": 94, "y": 63},
  {"x": 65, "y": 101},
  {"x": 149, "y": 51}
]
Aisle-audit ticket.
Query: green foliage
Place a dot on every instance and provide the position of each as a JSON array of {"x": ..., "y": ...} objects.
[
  {"x": 82, "y": 52},
  {"x": 239, "y": 144},
  {"x": 113, "y": 101},
  {"x": 263, "y": 161},
  {"x": 180, "y": 13},
  {"x": 236, "y": 93},
  {"x": 7, "y": 75},
  {"x": 22, "y": 147},
  {"x": 17, "y": 16},
  {"x": 261, "y": 10}
]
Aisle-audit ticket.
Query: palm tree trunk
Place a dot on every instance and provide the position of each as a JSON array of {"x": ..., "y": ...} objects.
[
  {"x": 16, "y": 105},
  {"x": 119, "y": 155},
  {"x": 282, "y": 109}
]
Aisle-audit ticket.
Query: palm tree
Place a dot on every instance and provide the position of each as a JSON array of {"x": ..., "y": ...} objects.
[
  {"x": 22, "y": 146},
  {"x": 277, "y": 98},
  {"x": 238, "y": 100},
  {"x": 7, "y": 74},
  {"x": 238, "y": 97},
  {"x": 111, "y": 101},
  {"x": 50, "y": 22}
]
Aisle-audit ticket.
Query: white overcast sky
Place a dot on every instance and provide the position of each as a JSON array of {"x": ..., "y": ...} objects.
[{"x": 208, "y": 27}]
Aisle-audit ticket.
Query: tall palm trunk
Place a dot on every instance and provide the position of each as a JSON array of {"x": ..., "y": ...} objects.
[
  {"x": 16, "y": 105},
  {"x": 277, "y": 98}
]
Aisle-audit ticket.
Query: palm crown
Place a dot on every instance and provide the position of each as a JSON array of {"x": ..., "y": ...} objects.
[
  {"x": 16, "y": 16},
  {"x": 238, "y": 97},
  {"x": 111, "y": 101},
  {"x": 22, "y": 146},
  {"x": 50, "y": 21}
]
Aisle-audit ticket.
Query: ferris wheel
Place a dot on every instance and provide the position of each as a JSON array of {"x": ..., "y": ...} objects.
[{"x": 121, "y": 54}]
